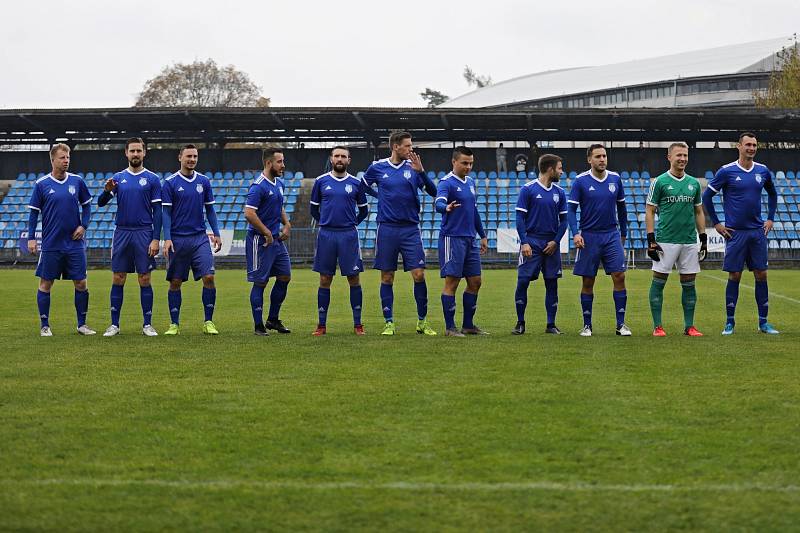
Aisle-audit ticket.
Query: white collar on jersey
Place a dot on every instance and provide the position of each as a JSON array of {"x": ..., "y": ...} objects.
[
  {"x": 745, "y": 169},
  {"x": 194, "y": 176},
  {"x": 389, "y": 160},
  {"x": 128, "y": 170},
  {"x": 543, "y": 186},
  {"x": 459, "y": 179},
  {"x": 347, "y": 175},
  {"x": 605, "y": 176},
  {"x": 264, "y": 177},
  {"x": 676, "y": 178}
]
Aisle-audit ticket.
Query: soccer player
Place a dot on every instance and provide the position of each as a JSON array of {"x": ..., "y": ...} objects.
[
  {"x": 541, "y": 223},
  {"x": 186, "y": 194},
  {"x": 266, "y": 253},
  {"x": 599, "y": 194},
  {"x": 334, "y": 200},
  {"x": 675, "y": 196},
  {"x": 459, "y": 256},
  {"x": 398, "y": 178},
  {"x": 65, "y": 204},
  {"x": 137, "y": 232},
  {"x": 745, "y": 233}
]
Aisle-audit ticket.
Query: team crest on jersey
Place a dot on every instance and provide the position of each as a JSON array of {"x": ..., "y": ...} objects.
[
  {"x": 348, "y": 188},
  {"x": 691, "y": 187},
  {"x": 142, "y": 181},
  {"x": 199, "y": 188},
  {"x": 72, "y": 190},
  {"x": 407, "y": 174},
  {"x": 612, "y": 187},
  {"x": 758, "y": 178},
  {"x": 555, "y": 197}
]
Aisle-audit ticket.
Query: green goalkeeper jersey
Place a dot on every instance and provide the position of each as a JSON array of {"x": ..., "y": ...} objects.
[{"x": 675, "y": 199}]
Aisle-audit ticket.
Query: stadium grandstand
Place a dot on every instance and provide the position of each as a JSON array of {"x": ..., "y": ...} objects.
[{"x": 726, "y": 76}]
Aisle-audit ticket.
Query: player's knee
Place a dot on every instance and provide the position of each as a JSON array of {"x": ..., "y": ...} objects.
[
  {"x": 588, "y": 284},
  {"x": 144, "y": 280},
  {"x": 80, "y": 285},
  {"x": 418, "y": 274},
  {"x": 208, "y": 282},
  {"x": 474, "y": 284},
  {"x": 735, "y": 276},
  {"x": 284, "y": 279},
  {"x": 175, "y": 284},
  {"x": 119, "y": 278},
  {"x": 760, "y": 275},
  {"x": 354, "y": 281},
  {"x": 387, "y": 277},
  {"x": 325, "y": 281},
  {"x": 45, "y": 285}
]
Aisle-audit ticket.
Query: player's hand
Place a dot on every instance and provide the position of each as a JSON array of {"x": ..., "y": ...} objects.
[
  {"x": 653, "y": 247},
  {"x": 767, "y": 226},
  {"x": 284, "y": 234},
  {"x": 268, "y": 239},
  {"x": 78, "y": 233},
  {"x": 526, "y": 250},
  {"x": 578, "y": 240},
  {"x": 110, "y": 185},
  {"x": 484, "y": 245},
  {"x": 551, "y": 248},
  {"x": 622, "y": 239},
  {"x": 152, "y": 250},
  {"x": 722, "y": 230},
  {"x": 416, "y": 162},
  {"x": 217, "y": 240},
  {"x": 32, "y": 246},
  {"x": 701, "y": 255},
  {"x": 452, "y": 205},
  {"x": 167, "y": 248}
]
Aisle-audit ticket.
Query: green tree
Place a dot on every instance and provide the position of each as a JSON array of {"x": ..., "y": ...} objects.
[
  {"x": 433, "y": 97},
  {"x": 783, "y": 90},
  {"x": 201, "y": 84},
  {"x": 475, "y": 79}
]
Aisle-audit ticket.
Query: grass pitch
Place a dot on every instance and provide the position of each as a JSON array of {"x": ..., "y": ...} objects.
[{"x": 343, "y": 433}]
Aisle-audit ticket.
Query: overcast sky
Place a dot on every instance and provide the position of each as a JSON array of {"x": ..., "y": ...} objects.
[{"x": 348, "y": 53}]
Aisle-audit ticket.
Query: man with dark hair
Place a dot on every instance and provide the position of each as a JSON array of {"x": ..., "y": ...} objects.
[
  {"x": 186, "y": 195},
  {"x": 399, "y": 178},
  {"x": 541, "y": 223},
  {"x": 459, "y": 257},
  {"x": 66, "y": 207},
  {"x": 335, "y": 198},
  {"x": 745, "y": 233},
  {"x": 266, "y": 253},
  {"x": 601, "y": 198},
  {"x": 137, "y": 232}
]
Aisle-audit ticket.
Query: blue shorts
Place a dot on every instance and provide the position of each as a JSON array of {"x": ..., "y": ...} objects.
[
  {"x": 459, "y": 257},
  {"x": 746, "y": 246},
  {"x": 264, "y": 262},
  {"x": 69, "y": 264},
  {"x": 528, "y": 268},
  {"x": 129, "y": 251},
  {"x": 338, "y": 246},
  {"x": 394, "y": 240},
  {"x": 605, "y": 247},
  {"x": 193, "y": 252}
]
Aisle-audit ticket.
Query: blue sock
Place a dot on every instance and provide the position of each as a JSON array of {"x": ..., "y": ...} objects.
[
  {"x": 209, "y": 301},
  {"x": 81, "y": 306},
  {"x": 323, "y": 302},
  {"x": 387, "y": 301},
  {"x": 620, "y": 301},
  {"x": 117, "y": 294},
  {"x": 762, "y": 301},
  {"x": 146, "y": 297},
  {"x": 174, "y": 301},
  {"x": 356, "y": 298},
  {"x": 731, "y": 298},
  {"x": 421, "y": 297},
  {"x": 257, "y": 303},
  {"x": 43, "y": 302},
  {"x": 449, "y": 309},
  {"x": 586, "y": 307},
  {"x": 551, "y": 300},
  {"x": 521, "y": 298},
  {"x": 470, "y": 302},
  {"x": 276, "y": 298}
]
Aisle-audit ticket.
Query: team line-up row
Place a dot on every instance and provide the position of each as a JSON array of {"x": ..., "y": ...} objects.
[{"x": 180, "y": 206}]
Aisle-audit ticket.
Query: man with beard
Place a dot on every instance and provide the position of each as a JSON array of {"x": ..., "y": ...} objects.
[
  {"x": 136, "y": 234},
  {"x": 399, "y": 178},
  {"x": 334, "y": 200},
  {"x": 265, "y": 251},
  {"x": 541, "y": 223}
]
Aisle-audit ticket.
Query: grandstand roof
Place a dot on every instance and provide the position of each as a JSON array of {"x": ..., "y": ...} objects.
[
  {"x": 350, "y": 125},
  {"x": 741, "y": 58}
]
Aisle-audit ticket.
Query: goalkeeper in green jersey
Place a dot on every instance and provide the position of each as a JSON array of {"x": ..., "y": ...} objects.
[{"x": 675, "y": 196}]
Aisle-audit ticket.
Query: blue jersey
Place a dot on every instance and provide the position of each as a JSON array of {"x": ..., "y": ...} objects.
[
  {"x": 338, "y": 200},
  {"x": 266, "y": 198},
  {"x": 597, "y": 200},
  {"x": 136, "y": 193},
  {"x": 463, "y": 221},
  {"x": 60, "y": 205},
  {"x": 741, "y": 194},
  {"x": 187, "y": 197},
  {"x": 398, "y": 186},
  {"x": 542, "y": 207}
]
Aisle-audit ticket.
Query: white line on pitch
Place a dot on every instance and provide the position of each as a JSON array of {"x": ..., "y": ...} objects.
[
  {"x": 771, "y": 293},
  {"x": 227, "y": 484}
]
